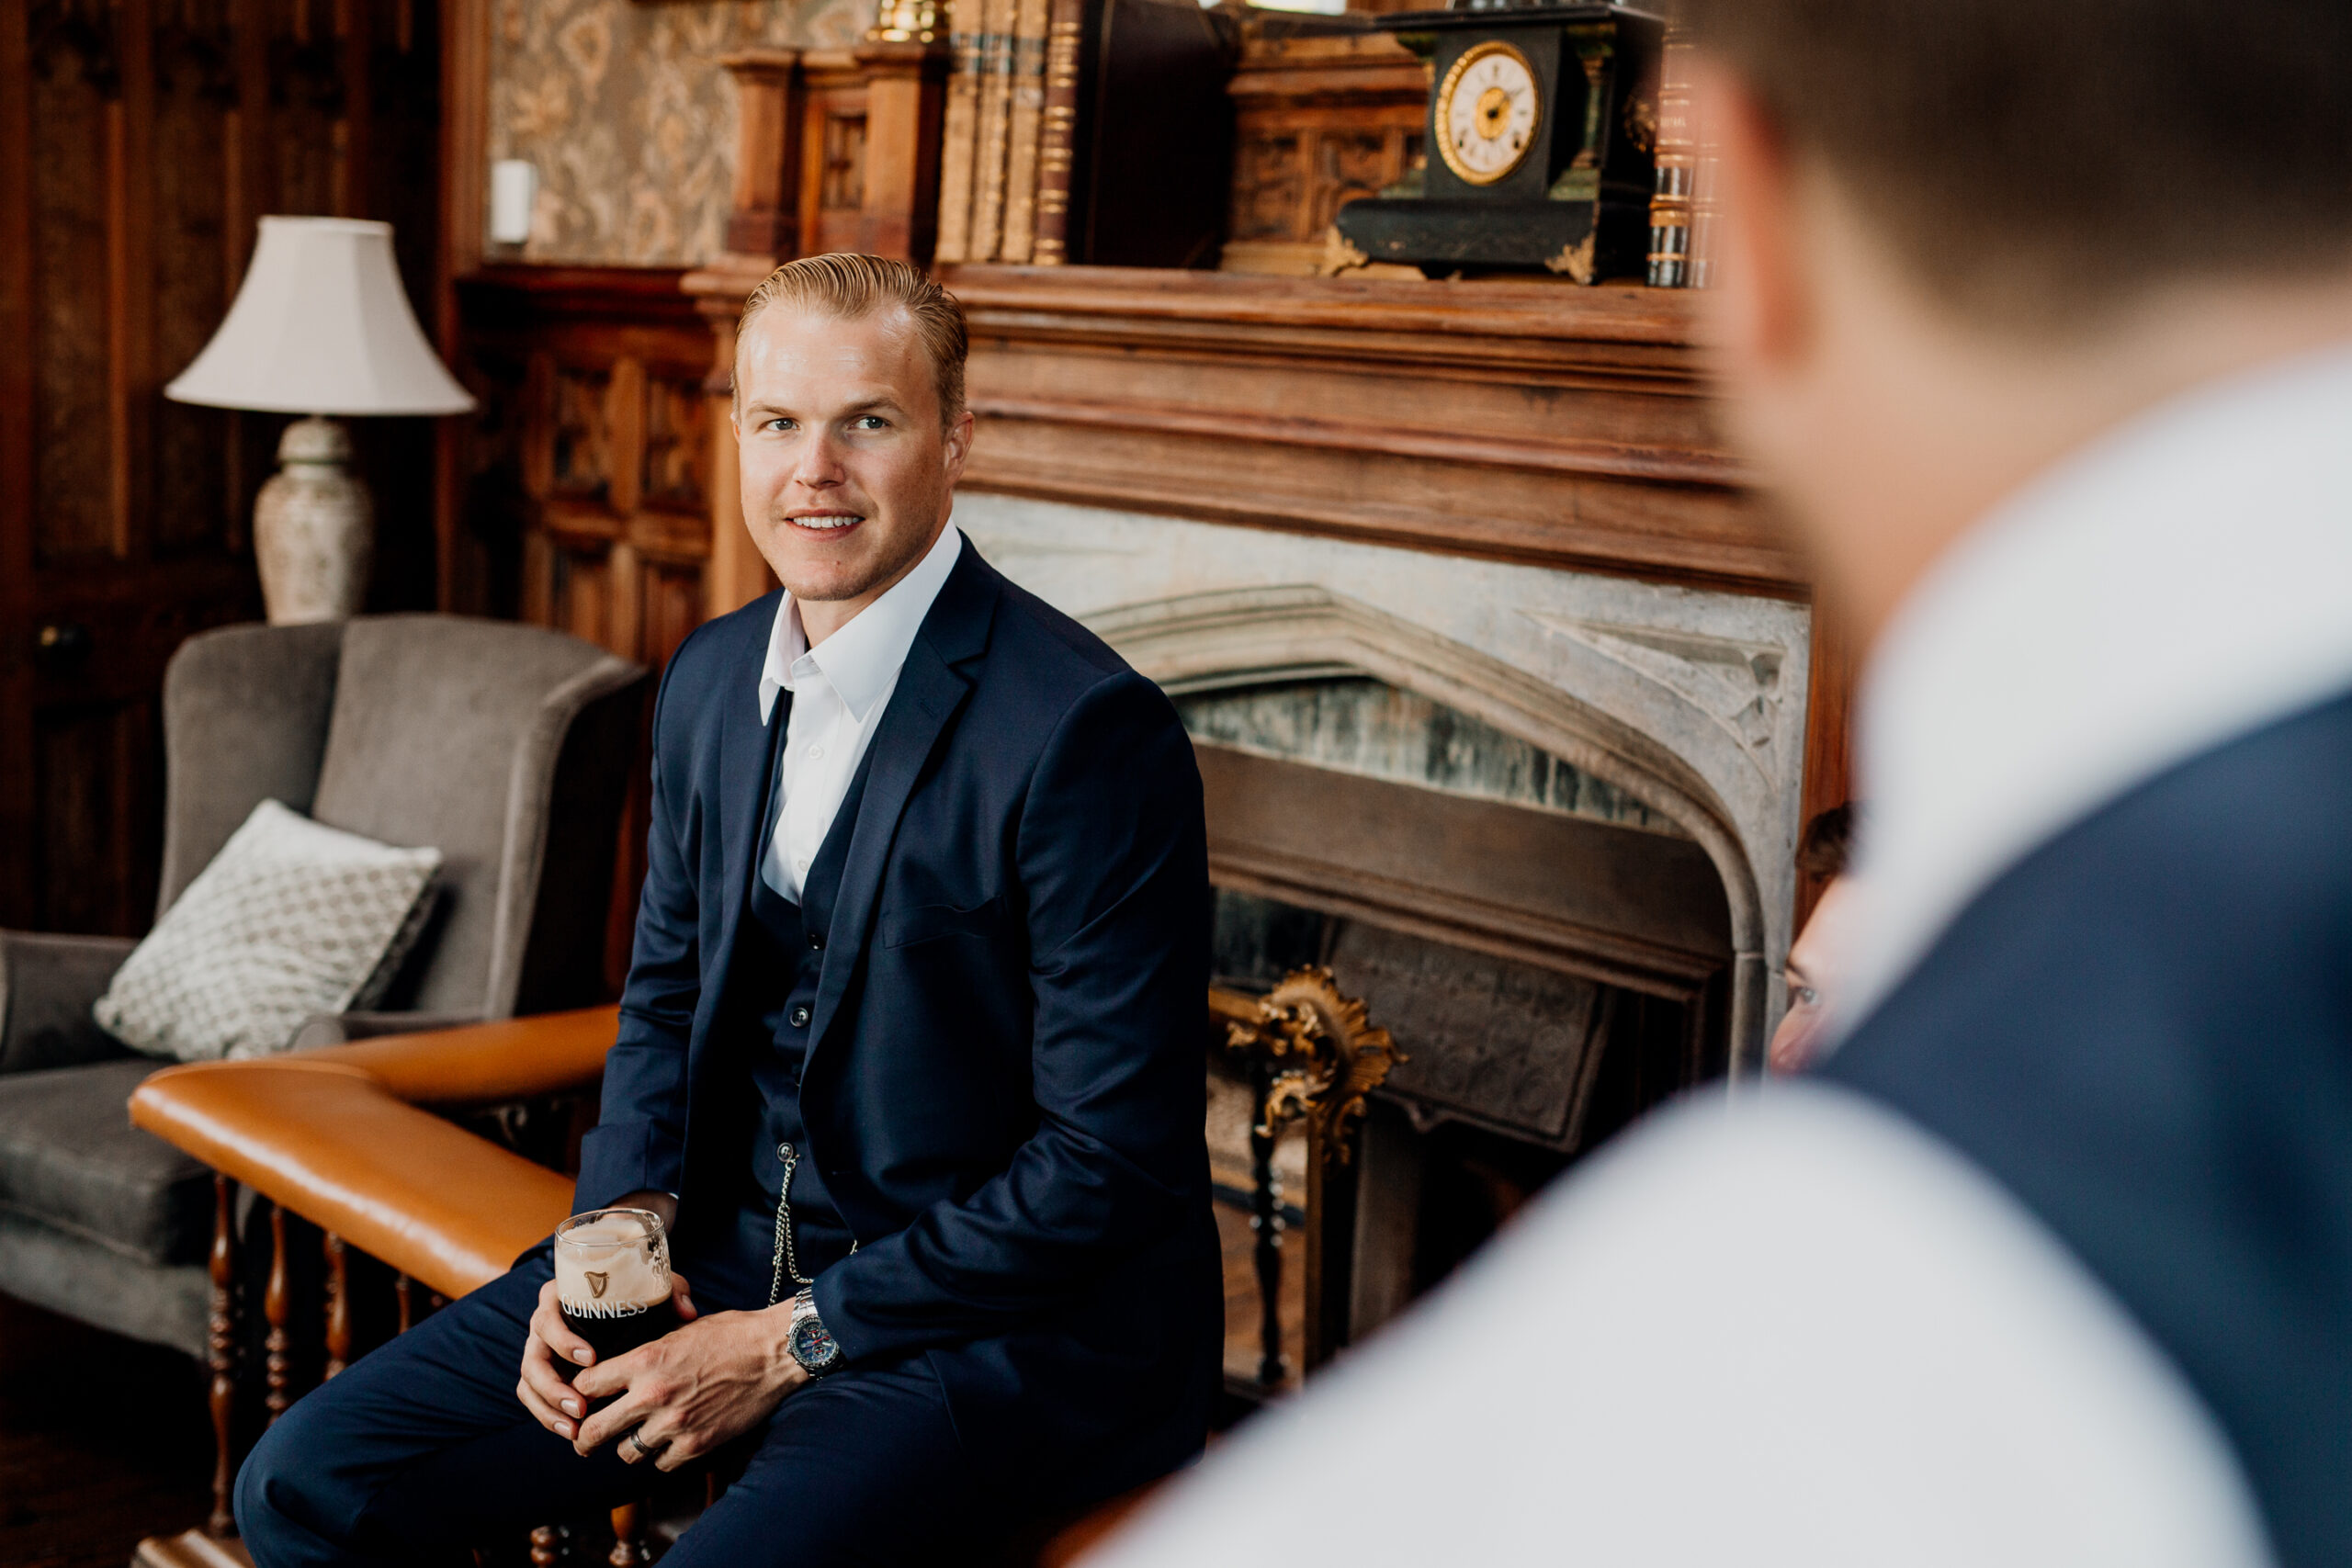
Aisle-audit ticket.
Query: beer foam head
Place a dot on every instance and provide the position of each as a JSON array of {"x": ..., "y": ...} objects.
[{"x": 611, "y": 1262}]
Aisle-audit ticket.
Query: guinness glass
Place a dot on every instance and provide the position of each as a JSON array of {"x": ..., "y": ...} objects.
[{"x": 612, "y": 1280}]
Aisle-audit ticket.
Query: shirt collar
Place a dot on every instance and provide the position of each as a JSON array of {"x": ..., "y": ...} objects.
[
  {"x": 2184, "y": 580},
  {"x": 862, "y": 660}
]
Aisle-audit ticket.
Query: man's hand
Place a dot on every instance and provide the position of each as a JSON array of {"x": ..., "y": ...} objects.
[
  {"x": 552, "y": 1401},
  {"x": 688, "y": 1392}
]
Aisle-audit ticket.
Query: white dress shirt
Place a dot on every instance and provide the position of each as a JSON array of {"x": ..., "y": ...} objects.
[
  {"x": 839, "y": 690},
  {"x": 1796, "y": 1330},
  {"x": 2182, "y": 581}
]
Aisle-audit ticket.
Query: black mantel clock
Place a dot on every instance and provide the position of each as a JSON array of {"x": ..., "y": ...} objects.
[{"x": 1542, "y": 125}]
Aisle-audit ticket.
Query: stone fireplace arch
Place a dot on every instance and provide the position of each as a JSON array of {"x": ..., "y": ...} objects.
[{"x": 1199, "y": 642}]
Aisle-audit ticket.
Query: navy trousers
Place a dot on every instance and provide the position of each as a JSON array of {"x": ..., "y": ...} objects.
[{"x": 422, "y": 1448}]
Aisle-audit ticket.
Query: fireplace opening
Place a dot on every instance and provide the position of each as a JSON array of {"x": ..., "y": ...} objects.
[{"x": 1551, "y": 957}]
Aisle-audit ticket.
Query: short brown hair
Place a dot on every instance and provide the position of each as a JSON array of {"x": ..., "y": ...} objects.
[
  {"x": 852, "y": 286},
  {"x": 2035, "y": 161},
  {"x": 1826, "y": 847}
]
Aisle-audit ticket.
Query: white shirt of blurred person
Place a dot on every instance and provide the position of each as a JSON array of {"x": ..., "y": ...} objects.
[{"x": 1793, "y": 1328}]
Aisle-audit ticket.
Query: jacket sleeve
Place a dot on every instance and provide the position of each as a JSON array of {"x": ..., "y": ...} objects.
[
  {"x": 1112, "y": 865},
  {"x": 638, "y": 1141}
]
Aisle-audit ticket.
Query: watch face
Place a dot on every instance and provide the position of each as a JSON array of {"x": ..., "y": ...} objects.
[
  {"x": 811, "y": 1346},
  {"x": 1487, "y": 112}
]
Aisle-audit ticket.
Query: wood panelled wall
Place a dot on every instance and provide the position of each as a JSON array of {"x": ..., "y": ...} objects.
[
  {"x": 140, "y": 139},
  {"x": 586, "y": 472}
]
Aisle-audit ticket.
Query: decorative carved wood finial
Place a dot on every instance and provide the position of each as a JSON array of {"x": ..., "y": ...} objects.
[{"x": 1325, "y": 1057}]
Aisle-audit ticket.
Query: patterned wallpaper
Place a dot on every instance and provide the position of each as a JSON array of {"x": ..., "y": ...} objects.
[{"x": 624, "y": 108}]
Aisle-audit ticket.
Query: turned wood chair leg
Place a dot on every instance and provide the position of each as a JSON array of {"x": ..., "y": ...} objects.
[
  {"x": 274, "y": 1307},
  {"x": 222, "y": 1355},
  {"x": 545, "y": 1547},
  {"x": 338, "y": 1304},
  {"x": 630, "y": 1550},
  {"x": 404, "y": 1292}
]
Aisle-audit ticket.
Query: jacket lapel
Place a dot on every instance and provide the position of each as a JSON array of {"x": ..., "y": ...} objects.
[
  {"x": 930, "y": 688},
  {"x": 746, "y": 758}
]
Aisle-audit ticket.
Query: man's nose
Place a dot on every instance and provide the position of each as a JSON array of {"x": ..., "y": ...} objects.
[{"x": 819, "y": 465}]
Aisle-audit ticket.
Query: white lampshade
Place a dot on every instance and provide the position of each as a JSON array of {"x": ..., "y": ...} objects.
[{"x": 322, "y": 326}]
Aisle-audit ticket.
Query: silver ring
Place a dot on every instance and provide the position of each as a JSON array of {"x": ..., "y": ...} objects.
[{"x": 639, "y": 1443}]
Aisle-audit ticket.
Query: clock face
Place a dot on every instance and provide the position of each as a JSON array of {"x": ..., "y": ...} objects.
[{"x": 1486, "y": 113}]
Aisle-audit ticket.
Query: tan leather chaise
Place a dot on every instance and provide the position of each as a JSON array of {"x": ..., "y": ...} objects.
[{"x": 354, "y": 1138}]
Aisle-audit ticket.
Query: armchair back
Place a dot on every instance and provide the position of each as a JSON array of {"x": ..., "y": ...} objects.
[{"x": 509, "y": 747}]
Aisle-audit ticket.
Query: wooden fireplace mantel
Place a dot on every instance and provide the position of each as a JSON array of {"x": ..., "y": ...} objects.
[{"x": 1530, "y": 421}]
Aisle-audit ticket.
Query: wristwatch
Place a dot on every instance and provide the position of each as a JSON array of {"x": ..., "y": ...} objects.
[{"x": 817, "y": 1351}]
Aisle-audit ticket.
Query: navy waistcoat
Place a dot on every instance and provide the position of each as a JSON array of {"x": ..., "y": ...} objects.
[{"x": 771, "y": 996}]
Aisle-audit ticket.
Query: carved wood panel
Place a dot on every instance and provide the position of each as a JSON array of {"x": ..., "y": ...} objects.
[
  {"x": 588, "y": 465},
  {"x": 1317, "y": 123},
  {"x": 139, "y": 142}
]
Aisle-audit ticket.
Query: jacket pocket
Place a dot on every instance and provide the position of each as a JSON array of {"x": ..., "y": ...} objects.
[{"x": 931, "y": 922}]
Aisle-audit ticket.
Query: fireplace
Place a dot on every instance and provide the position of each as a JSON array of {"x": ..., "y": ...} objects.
[
  {"x": 1550, "y": 955},
  {"x": 1540, "y": 820}
]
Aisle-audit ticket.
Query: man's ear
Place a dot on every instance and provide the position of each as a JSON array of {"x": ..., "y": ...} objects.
[
  {"x": 958, "y": 445},
  {"x": 1762, "y": 309}
]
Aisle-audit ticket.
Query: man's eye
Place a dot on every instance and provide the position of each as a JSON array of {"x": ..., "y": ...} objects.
[
  {"x": 780, "y": 423},
  {"x": 872, "y": 422},
  {"x": 1806, "y": 995}
]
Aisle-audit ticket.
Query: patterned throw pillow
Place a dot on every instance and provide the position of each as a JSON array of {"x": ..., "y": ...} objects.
[{"x": 291, "y": 919}]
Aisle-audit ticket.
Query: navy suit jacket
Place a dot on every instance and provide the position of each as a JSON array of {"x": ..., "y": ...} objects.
[
  {"x": 1004, "y": 1087},
  {"x": 2144, "y": 1030}
]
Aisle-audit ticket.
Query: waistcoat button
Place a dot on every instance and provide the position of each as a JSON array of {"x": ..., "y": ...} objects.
[
  {"x": 816, "y": 941},
  {"x": 800, "y": 1018}
]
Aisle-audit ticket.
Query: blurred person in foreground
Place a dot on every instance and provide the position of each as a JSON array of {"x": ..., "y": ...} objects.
[
  {"x": 1816, "y": 962},
  {"x": 2039, "y": 317}
]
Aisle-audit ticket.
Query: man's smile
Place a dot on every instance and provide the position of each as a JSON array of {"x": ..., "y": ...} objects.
[{"x": 828, "y": 521}]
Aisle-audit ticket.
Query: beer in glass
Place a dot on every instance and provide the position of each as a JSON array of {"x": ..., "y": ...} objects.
[{"x": 612, "y": 1280}]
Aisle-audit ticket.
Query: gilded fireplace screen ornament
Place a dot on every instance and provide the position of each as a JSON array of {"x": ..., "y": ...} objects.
[{"x": 1321, "y": 1055}]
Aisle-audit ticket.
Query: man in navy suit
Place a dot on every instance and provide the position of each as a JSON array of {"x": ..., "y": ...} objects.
[
  {"x": 2039, "y": 319},
  {"x": 908, "y": 1057}
]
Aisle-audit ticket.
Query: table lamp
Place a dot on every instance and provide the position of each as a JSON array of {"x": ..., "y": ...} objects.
[{"x": 321, "y": 327}]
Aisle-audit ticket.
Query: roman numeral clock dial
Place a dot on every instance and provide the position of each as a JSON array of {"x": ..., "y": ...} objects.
[{"x": 1487, "y": 110}]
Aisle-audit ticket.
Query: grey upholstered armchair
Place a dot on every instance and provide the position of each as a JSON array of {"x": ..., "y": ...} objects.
[{"x": 506, "y": 747}]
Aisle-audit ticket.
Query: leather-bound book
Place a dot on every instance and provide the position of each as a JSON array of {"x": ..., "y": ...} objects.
[
  {"x": 995, "y": 129},
  {"x": 958, "y": 133},
  {"x": 1030, "y": 17},
  {"x": 1704, "y": 202},
  {"x": 1135, "y": 154},
  {"x": 1678, "y": 160},
  {"x": 1058, "y": 131}
]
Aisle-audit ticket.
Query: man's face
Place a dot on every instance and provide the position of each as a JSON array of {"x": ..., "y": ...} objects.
[
  {"x": 847, "y": 475},
  {"x": 1814, "y": 972}
]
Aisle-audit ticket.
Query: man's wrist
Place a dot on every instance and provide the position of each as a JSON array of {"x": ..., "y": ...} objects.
[{"x": 662, "y": 1204}]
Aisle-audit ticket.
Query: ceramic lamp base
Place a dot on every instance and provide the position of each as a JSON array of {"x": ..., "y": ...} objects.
[{"x": 314, "y": 529}]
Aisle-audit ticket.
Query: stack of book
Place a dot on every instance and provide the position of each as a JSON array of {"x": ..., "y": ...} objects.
[
  {"x": 1682, "y": 212},
  {"x": 1086, "y": 131}
]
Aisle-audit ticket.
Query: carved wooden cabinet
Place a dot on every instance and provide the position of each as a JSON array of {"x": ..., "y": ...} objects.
[
  {"x": 588, "y": 480},
  {"x": 837, "y": 150}
]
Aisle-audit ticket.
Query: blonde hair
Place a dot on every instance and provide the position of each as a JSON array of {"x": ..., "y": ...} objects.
[{"x": 851, "y": 286}]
